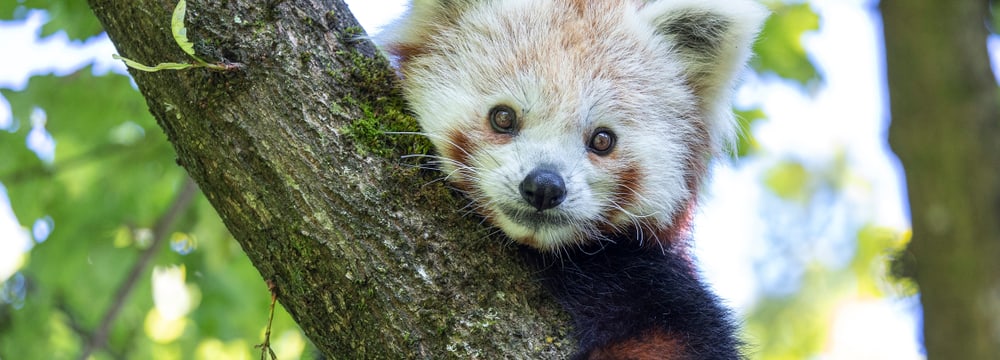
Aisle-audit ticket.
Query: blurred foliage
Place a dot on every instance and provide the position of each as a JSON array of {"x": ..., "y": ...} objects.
[
  {"x": 797, "y": 326},
  {"x": 71, "y": 16},
  {"x": 793, "y": 181},
  {"x": 780, "y": 49},
  {"x": 789, "y": 180},
  {"x": 113, "y": 178}
]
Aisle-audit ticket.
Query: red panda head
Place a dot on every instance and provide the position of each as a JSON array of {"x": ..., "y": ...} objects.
[{"x": 566, "y": 121}]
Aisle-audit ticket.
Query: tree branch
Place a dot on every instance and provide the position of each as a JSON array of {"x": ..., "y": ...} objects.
[
  {"x": 292, "y": 152},
  {"x": 945, "y": 130}
]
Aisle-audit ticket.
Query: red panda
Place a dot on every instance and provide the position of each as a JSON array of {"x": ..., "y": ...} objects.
[{"x": 582, "y": 129}]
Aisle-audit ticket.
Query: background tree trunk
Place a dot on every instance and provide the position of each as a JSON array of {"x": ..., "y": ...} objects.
[
  {"x": 370, "y": 257},
  {"x": 946, "y": 131}
]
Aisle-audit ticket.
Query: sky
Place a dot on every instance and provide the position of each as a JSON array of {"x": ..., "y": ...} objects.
[{"x": 846, "y": 117}]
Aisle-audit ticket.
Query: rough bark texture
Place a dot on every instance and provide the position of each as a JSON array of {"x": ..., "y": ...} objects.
[
  {"x": 946, "y": 131},
  {"x": 371, "y": 258}
]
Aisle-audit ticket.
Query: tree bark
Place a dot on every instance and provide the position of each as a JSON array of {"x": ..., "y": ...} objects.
[
  {"x": 946, "y": 132},
  {"x": 371, "y": 256}
]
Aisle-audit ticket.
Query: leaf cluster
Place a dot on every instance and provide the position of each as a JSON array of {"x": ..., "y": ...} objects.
[{"x": 112, "y": 181}]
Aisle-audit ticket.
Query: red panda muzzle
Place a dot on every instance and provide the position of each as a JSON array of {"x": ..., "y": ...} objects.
[{"x": 543, "y": 188}]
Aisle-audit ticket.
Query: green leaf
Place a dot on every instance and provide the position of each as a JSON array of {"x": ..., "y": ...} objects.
[
  {"x": 72, "y": 16},
  {"x": 876, "y": 244},
  {"x": 790, "y": 181},
  {"x": 780, "y": 49},
  {"x": 161, "y": 66},
  {"x": 180, "y": 31},
  {"x": 798, "y": 337}
]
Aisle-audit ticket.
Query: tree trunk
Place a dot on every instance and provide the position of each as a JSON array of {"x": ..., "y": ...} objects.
[
  {"x": 946, "y": 132},
  {"x": 371, "y": 257}
]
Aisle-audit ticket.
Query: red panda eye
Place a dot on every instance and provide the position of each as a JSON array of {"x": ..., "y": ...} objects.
[
  {"x": 602, "y": 142},
  {"x": 503, "y": 119}
]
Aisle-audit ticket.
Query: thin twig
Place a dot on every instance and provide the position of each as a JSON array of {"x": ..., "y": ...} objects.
[
  {"x": 160, "y": 232},
  {"x": 265, "y": 347}
]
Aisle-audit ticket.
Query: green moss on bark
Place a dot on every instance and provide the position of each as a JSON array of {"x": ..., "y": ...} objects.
[{"x": 384, "y": 117}]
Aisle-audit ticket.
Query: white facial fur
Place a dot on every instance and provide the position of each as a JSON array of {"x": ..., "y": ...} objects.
[{"x": 657, "y": 74}]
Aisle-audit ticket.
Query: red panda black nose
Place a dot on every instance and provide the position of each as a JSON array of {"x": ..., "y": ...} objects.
[{"x": 543, "y": 188}]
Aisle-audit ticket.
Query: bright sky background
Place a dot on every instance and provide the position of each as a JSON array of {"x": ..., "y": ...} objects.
[{"x": 846, "y": 115}]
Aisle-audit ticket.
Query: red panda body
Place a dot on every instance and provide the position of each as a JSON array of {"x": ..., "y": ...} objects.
[{"x": 582, "y": 129}]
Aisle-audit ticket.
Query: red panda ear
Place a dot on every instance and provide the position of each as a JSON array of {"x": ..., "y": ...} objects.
[
  {"x": 712, "y": 40},
  {"x": 407, "y": 36},
  {"x": 712, "y": 37}
]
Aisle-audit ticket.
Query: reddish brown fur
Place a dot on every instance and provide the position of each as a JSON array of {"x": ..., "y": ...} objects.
[
  {"x": 629, "y": 183},
  {"x": 405, "y": 52},
  {"x": 459, "y": 149},
  {"x": 654, "y": 344}
]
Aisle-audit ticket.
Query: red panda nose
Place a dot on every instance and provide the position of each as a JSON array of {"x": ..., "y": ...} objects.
[{"x": 543, "y": 188}]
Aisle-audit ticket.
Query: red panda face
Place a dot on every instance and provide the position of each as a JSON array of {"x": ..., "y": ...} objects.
[{"x": 568, "y": 121}]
